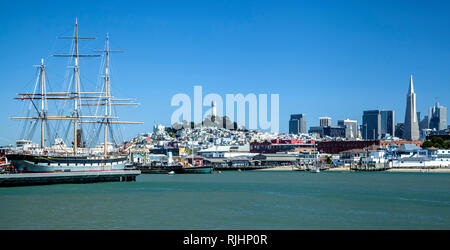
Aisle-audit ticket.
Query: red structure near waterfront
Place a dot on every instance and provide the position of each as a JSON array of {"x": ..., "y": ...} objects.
[
  {"x": 336, "y": 147},
  {"x": 277, "y": 145}
]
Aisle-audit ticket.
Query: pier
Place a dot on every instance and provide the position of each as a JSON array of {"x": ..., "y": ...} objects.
[
  {"x": 369, "y": 168},
  {"x": 11, "y": 180}
]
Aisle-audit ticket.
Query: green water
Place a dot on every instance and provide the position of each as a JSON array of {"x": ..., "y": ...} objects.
[{"x": 236, "y": 200}]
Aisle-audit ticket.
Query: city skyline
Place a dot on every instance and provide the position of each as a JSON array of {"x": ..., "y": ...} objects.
[{"x": 320, "y": 63}]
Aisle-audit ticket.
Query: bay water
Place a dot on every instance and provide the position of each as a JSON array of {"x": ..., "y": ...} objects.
[{"x": 236, "y": 200}]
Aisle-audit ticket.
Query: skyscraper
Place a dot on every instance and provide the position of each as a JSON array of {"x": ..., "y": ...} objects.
[
  {"x": 334, "y": 131},
  {"x": 371, "y": 125},
  {"x": 297, "y": 124},
  {"x": 399, "y": 128},
  {"x": 411, "y": 129},
  {"x": 438, "y": 117},
  {"x": 351, "y": 128},
  {"x": 424, "y": 123},
  {"x": 324, "y": 121},
  {"x": 387, "y": 123}
]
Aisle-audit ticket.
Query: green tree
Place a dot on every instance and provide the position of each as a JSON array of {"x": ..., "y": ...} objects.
[
  {"x": 328, "y": 159},
  {"x": 437, "y": 140},
  {"x": 427, "y": 144}
]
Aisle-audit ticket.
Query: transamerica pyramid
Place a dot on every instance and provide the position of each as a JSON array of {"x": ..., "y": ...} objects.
[{"x": 411, "y": 131}]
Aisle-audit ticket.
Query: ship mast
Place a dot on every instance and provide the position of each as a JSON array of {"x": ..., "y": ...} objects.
[
  {"x": 76, "y": 93},
  {"x": 107, "y": 102},
  {"x": 42, "y": 113},
  {"x": 80, "y": 98}
]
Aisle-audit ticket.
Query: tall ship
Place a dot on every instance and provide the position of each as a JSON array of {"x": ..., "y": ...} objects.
[{"x": 85, "y": 113}]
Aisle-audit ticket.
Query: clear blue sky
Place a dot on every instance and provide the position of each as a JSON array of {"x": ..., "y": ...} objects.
[{"x": 324, "y": 58}]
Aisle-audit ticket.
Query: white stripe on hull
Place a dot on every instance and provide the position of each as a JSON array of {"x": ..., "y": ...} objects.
[{"x": 27, "y": 166}]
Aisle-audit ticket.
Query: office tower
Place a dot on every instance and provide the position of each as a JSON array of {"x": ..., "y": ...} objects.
[
  {"x": 387, "y": 123},
  {"x": 371, "y": 122},
  {"x": 334, "y": 131},
  {"x": 399, "y": 128},
  {"x": 411, "y": 129},
  {"x": 324, "y": 121},
  {"x": 316, "y": 130},
  {"x": 360, "y": 127},
  {"x": 438, "y": 117},
  {"x": 297, "y": 124},
  {"x": 424, "y": 123},
  {"x": 351, "y": 128}
]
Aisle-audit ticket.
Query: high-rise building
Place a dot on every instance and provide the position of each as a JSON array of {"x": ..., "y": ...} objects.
[
  {"x": 297, "y": 124},
  {"x": 371, "y": 125},
  {"x": 360, "y": 127},
  {"x": 411, "y": 129},
  {"x": 399, "y": 128},
  {"x": 387, "y": 123},
  {"x": 438, "y": 117},
  {"x": 334, "y": 131},
  {"x": 324, "y": 121},
  {"x": 424, "y": 123},
  {"x": 316, "y": 130},
  {"x": 351, "y": 128}
]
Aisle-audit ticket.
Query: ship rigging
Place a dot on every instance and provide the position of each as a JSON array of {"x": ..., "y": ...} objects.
[{"x": 80, "y": 98}]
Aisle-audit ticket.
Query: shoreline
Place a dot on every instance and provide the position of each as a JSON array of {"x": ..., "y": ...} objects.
[
  {"x": 347, "y": 169},
  {"x": 281, "y": 168},
  {"x": 420, "y": 170},
  {"x": 400, "y": 170}
]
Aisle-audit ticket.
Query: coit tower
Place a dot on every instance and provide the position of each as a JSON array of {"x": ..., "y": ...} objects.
[{"x": 213, "y": 107}]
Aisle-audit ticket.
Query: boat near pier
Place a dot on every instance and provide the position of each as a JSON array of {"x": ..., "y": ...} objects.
[{"x": 85, "y": 155}]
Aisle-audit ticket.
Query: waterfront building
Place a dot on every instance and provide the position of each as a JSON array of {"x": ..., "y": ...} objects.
[
  {"x": 324, "y": 121},
  {"x": 276, "y": 145},
  {"x": 336, "y": 147},
  {"x": 275, "y": 159},
  {"x": 351, "y": 128},
  {"x": 297, "y": 124},
  {"x": 411, "y": 129},
  {"x": 438, "y": 117},
  {"x": 225, "y": 151},
  {"x": 410, "y": 155},
  {"x": 371, "y": 129},
  {"x": 376, "y": 158},
  {"x": 351, "y": 156},
  {"x": 387, "y": 123}
]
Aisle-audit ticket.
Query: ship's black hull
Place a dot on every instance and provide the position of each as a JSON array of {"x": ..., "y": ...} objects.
[{"x": 26, "y": 163}]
